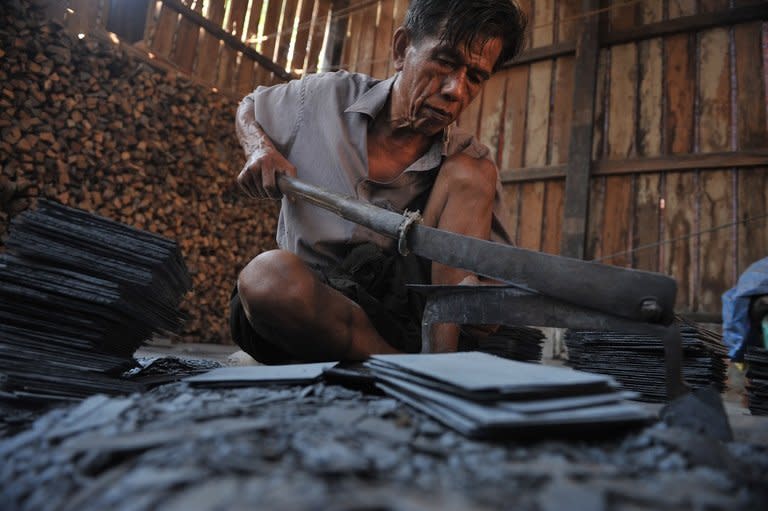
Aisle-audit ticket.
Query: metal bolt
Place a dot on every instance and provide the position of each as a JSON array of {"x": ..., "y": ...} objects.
[{"x": 650, "y": 310}]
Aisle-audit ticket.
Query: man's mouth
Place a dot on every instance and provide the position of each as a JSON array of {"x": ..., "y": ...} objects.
[{"x": 438, "y": 113}]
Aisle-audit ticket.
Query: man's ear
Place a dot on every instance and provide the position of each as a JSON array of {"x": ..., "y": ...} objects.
[{"x": 400, "y": 43}]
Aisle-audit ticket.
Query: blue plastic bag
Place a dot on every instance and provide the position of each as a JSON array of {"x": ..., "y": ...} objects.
[{"x": 737, "y": 333}]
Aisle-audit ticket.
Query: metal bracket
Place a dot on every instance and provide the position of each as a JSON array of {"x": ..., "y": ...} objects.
[
  {"x": 510, "y": 305},
  {"x": 409, "y": 218}
]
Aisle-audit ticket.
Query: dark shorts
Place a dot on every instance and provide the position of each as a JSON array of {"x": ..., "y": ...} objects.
[{"x": 374, "y": 280}]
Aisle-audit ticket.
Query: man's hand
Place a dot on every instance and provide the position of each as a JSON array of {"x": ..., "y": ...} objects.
[{"x": 258, "y": 179}]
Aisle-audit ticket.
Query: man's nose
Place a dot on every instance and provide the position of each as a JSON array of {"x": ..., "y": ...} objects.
[{"x": 455, "y": 86}]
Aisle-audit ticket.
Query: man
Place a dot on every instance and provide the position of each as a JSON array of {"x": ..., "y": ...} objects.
[{"x": 335, "y": 290}]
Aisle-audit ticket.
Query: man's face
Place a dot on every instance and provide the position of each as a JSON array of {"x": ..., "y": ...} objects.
[{"x": 437, "y": 81}]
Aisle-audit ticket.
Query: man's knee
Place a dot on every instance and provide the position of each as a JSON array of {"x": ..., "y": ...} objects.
[{"x": 273, "y": 279}]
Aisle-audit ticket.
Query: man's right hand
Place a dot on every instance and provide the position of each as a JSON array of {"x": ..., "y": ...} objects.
[{"x": 258, "y": 179}]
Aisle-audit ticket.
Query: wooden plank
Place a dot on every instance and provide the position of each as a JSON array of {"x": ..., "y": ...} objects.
[
  {"x": 285, "y": 33},
  {"x": 679, "y": 221},
  {"x": 271, "y": 20},
  {"x": 492, "y": 115},
  {"x": 622, "y": 101},
  {"x": 622, "y": 16},
  {"x": 302, "y": 37},
  {"x": 553, "y": 216},
  {"x": 713, "y": 5},
  {"x": 246, "y": 75},
  {"x": 230, "y": 77},
  {"x": 185, "y": 49},
  {"x": 679, "y": 8},
  {"x": 549, "y": 52},
  {"x": 752, "y": 158},
  {"x": 537, "y": 125},
  {"x": 600, "y": 100},
  {"x": 514, "y": 116},
  {"x": 616, "y": 237},
  {"x": 367, "y": 40},
  {"x": 398, "y": 16},
  {"x": 382, "y": 53},
  {"x": 646, "y": 222},
  {"x": 208, "y": 51},
  {"x": 351, "y": 48},
  {"x": 683, "y": 162},
  {"x": 750, "y": 92},
  {"x": 162, "y": 42},
  {"x": 511, "y": 201},
  {"x": 519, "y": 175},
  {"x": 531, "y": 215},
  {"x": 569, "y": 20},
  {"x": 317, "y": 34},
  {"x": 525, "y": 6},
  {"x": 469, "y": 119},
  {"x": 649, "y": 127},
  {"x": 593, "y": 248},
  {"x": 228, "y": 58},
  {"x": 542, "y": 31},
  {"x": 576, "y": 218},
  {"x": 687, "y": 24},
  {"x": 562, "y": 113},
  {"x": 680, "y": 90},
  {"x": 651, "y": 11},
  {"x": 714, "y": 91},
  {"x": 717, "y": 261},
  {"x": 752, "y": 203}
]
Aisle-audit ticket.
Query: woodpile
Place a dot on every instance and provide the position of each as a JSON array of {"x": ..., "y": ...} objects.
[{"x": 85, "y": 124}]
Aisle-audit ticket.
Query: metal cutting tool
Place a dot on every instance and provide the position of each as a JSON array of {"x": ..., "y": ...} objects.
[{"x": 541, "y": 289}]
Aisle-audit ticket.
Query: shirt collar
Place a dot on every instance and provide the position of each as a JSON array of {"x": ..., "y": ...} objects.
[
  {"x": 374, "y": 98},
  {"x": 371, "y": 103}
]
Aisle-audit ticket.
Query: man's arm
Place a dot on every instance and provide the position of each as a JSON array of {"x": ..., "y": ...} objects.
[{"x": 263, "y": 160}]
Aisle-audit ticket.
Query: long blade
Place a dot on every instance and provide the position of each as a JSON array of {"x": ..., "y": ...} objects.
[
  {"x": 601, "y": 287},
  {"x": 605, "y": 288}
]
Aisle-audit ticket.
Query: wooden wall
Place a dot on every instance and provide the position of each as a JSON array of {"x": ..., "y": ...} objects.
[
  {"x": 231, "y": 45},
  {"x": 679, "y": 137},
  {"x": 676, "y": 119}
]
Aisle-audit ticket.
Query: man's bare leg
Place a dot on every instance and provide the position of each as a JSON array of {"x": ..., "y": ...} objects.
[
  {"x": 288, "y": 305},
  {"x": 461, "y": 201}
]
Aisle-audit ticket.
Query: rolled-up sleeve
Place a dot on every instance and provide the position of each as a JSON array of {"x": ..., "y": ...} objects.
[{"x": 276, "y": 109}]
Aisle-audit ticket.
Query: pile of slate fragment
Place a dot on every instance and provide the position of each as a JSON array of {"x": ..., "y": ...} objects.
[{"x": 323, "y": 446}]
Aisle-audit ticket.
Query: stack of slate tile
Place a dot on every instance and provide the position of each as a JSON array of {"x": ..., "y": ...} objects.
[
  {"x": 78, "y": 295},
  {"x": 637, "y": 361},
  {"x": 515, "y": 343},
  {"x": 484, "y": 396},
  {"x": 757, "y": 380}
]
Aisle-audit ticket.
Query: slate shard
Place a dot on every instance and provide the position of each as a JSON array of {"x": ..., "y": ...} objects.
[
  {"x": 757, "y": 380},
  {"x": 637, "y": 360},
  {"x": 79, "y": 294}
]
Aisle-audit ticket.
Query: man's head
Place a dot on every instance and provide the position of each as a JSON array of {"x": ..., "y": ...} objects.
[
  {"x": 445, "y": 51},
  {"x": 466, "y": 22}
]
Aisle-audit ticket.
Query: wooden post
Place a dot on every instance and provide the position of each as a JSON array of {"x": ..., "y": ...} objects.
[{"x": 580, "y": 147}]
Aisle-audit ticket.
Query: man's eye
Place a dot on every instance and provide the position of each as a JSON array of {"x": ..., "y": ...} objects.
[{"x": 445, "y": 62}]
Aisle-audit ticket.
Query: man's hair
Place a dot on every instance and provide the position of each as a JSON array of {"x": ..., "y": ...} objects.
[{"x": 466, "y": 21}]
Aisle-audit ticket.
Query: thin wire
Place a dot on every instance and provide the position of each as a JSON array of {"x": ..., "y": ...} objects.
[{"x": 681, "y": 238}]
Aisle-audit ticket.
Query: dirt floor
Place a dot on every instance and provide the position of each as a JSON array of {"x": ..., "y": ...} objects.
[{"x": 324, "y": 446}]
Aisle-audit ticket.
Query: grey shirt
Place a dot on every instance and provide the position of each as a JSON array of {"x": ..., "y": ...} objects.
[{"x": 320, "y": 124}]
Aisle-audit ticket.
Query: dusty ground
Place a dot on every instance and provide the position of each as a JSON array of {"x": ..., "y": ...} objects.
[{"x": 327, "y": 447}]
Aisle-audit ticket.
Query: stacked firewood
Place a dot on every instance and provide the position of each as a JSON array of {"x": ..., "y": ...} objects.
[{"x": 88, "y": 126}]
